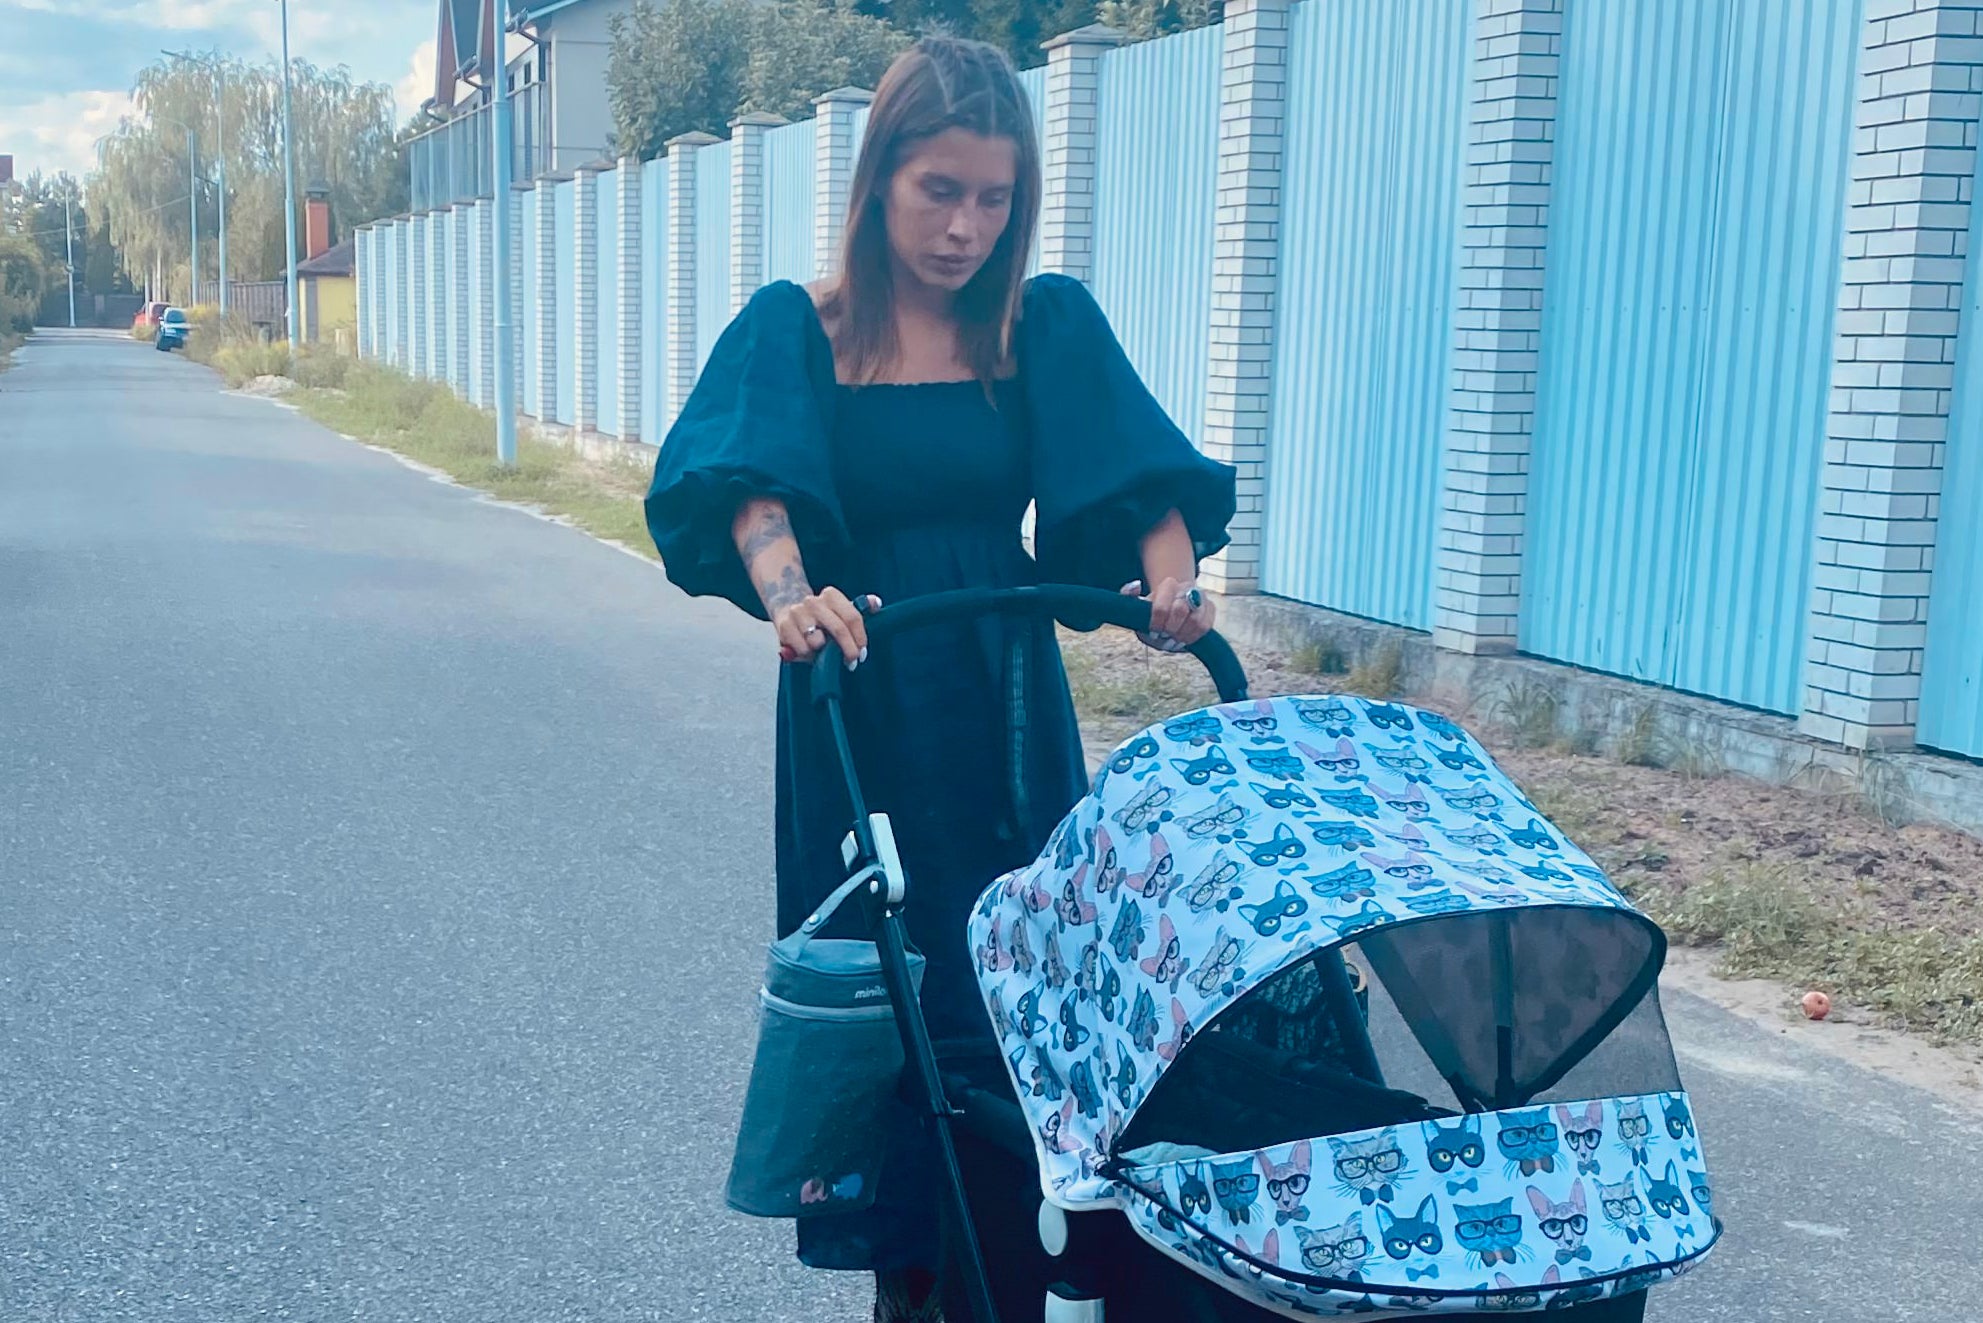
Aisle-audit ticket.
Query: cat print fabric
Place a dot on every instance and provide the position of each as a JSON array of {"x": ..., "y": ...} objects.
[
  {"x": 1528, "y": 1242},
  {"x": 1223, "y": 846}
]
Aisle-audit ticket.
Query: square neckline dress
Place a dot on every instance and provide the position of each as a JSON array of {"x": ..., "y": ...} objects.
[{"x": 964, "y": 734}]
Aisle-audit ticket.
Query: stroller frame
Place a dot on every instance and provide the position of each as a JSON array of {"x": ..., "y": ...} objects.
[{"x": 869, "y": 852}]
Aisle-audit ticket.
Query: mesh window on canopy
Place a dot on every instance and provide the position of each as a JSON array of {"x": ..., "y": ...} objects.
[{"x": 1471, "y": 1012}]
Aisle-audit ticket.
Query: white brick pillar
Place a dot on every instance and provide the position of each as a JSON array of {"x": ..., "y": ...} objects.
[
  {"x": 681, "y": 266},
  {"x": 402, "y": 302},
  {"x": 1067, "y": 209},
  {"x": 835, "y": 149},
  {"x": 485, "y": 280},
  {"x": 747, "y": 205},
  {"x": 461, "y": 225},
  {"x": 585, "y": 299},
  {"x": 418, "y": 313},
  {"x": 1504, "y": 232},
  {"x": 1900, "y": 299},
  {"x": 628, "y": 275},
  {"x": 517, "y": 276},
  {"x": 546, "y": 322},
  {"x": 1246, "y": 245},
  {"x": 361, "y": 252}
]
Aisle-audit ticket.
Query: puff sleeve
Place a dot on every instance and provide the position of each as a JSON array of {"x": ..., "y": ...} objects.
[
  {"x": 756, "y": 425},
  {"x": 1108, "y": 463}
]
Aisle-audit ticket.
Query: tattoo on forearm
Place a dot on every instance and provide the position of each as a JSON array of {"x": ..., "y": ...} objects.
[
  {"x": 784, "y": 589},
  {"x": 768, "y": 527}
]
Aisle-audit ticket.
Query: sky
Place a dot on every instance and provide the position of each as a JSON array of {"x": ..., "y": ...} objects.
[{"x": 67, "y": 66}]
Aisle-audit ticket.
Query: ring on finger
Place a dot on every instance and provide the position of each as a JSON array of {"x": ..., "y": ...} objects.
[{"x": 812, "y": 629}]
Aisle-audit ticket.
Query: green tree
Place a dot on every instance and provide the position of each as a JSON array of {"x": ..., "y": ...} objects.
[
  {"x": 694, "y": 64},
  {"x": 344, "y": 140},
  {"x": 24, "y": 278},
  {"x": 1143, "y": 19}
]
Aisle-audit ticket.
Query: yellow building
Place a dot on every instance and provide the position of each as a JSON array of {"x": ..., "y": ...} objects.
[{"x": 326, "y": 293}]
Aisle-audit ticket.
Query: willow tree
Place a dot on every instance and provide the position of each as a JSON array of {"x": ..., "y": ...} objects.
[{"x": 163, "y": 155}]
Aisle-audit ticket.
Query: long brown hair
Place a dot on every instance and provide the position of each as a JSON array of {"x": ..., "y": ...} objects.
[{"x": 939, "y": 83}]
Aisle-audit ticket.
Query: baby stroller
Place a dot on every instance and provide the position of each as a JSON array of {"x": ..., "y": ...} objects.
[{"x": 1304, "y": 1002}]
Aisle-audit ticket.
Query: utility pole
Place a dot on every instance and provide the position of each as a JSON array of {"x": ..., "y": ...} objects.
[
  {"x": 220, "y": 165},
  {"x": 499, "y": 107},
  {"x": 289, "y": 185},
  {"x": 193, "y": 206},
  {"x": 69, "y": 241}
]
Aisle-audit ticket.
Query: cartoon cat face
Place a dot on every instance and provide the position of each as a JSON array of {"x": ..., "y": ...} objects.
[
  {"x": 1697, "y": 1185},
  {"x": 1193, "y": 1194},
  {"x": 1529, "y": 1141},
  {"x": 1490, "y": 1233},
  {"x": 1566, "y": 1223},
  {"x": 1337, "y": 1251},
  {"x": 1582, "y": 1131},
  {"x": 1679, "y": 1120},
  {"x": 1237, "y": 1187},
  {"x": 1417, "y": 1234},
  {"x": 1370, "y": 1167},
  {"x": 1664, "y": 1194},
  {"x": 1459, "y": 1144},
  {"x": 1287, "y": 1182},
  {"x": 1624, "y": 1209}
]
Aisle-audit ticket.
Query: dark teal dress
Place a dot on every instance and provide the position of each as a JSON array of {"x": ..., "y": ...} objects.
[{"x": 965, "y": 736}]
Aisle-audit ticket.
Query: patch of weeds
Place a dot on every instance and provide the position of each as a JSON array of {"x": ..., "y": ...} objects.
[
  {"x": 1529, "y": 710},
  {"x": 1638, "y": 744},
  {"x": 1768, "y": 925},
  {"x": 1141, "y": 691},
  {"x": 427, "y": 422},
  {"x": 1378, "y": 675},
  {"x": 1581, "y": 741},
  {"x": 1883, "y": 789},
  {"x": 1322, "y": 657},
  {"x": 9, "y": 342},
  {"x": 1695, "y": 756}
]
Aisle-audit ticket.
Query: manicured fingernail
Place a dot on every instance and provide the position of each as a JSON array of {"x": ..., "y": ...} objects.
[{"x": 863, "y": 657}]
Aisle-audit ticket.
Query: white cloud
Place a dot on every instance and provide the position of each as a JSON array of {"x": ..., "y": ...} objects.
[
  {"x": 418, "y": 84},
  {"x": 59, "y": 132}
]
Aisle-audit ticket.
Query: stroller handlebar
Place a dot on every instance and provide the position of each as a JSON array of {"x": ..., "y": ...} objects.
[{"x": 1078, "y": 608}]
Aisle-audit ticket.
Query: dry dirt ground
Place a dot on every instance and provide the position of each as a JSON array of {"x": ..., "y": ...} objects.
[{"x": 1778, "y": 890}]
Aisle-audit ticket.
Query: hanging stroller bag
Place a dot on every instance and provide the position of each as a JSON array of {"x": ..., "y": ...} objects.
[{"x": 825, "y": 1076}]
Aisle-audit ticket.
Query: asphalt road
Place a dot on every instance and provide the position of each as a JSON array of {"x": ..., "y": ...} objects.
[{"x": 382, "y": 880}]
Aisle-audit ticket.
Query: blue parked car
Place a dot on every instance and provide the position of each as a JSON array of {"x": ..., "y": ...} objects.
[{"x": 172, "y": 330}]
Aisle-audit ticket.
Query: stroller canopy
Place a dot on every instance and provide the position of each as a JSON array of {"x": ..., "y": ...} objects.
[{"x": 1195, "y": 906}]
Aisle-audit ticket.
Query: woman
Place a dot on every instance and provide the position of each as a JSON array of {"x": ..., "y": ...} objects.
[{"x": 882, "y": 434}]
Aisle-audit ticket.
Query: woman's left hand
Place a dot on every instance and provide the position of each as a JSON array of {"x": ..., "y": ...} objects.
[{"x": 1180, "y": 614}]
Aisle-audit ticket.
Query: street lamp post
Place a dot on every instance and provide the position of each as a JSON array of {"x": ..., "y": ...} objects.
[
  {"x": 499, "y": 109},
  {"x": 289, "y": 184},
  {"x": 193, "y": 209},
  {"x": 69, "y": 242}
]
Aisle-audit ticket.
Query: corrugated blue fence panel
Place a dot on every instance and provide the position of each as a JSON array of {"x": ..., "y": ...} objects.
[
  {"x": 1686, "y": 340},
  {"x": 712, "y": 247},
  {"x": 533, "y": 404},
  {"x": 388, "y": 264},
  {"x": 1157, "y": 136},
  {"x": 1034, "y": 83},
  {"x": 1952, "y": 674},
  {"x": 653, "y": 299},
  {"x": 1376, "y": 132},
  {"x": 457, "y": 285},
  {"x": 606, "y": 243},
  {"x": 481, "y": 307},
  {"x": 788, "y": 200},
  {"x": 567, "y": 275}
]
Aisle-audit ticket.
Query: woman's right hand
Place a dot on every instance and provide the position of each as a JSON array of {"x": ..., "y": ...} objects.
[{"x": 804, "y": 626}]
